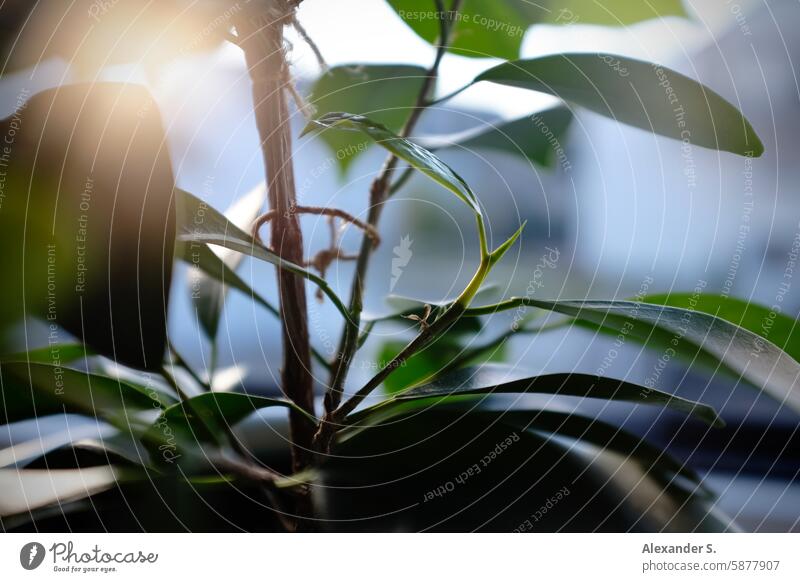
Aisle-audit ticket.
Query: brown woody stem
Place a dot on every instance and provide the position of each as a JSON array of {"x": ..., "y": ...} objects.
[{"x": 262, "y": 42}]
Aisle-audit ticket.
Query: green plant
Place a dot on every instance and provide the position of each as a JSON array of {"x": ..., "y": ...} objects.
[{"x": 411, "y": 460}]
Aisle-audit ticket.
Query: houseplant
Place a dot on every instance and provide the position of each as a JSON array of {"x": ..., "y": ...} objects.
[{"x": 435, "y": 455}]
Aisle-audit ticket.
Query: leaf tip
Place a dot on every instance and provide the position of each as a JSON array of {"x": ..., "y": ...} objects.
[
  {"x": 498, "y": 253},
  {"x": 711, "y": 416},
  {"x": 310, "y": 127},
  {"x": 758, "y": 147}
]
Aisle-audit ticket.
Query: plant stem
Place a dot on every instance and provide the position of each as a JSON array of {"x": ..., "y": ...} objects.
[
  {"x": 429, "y": 333},
  {"x": 447, "y": 97},
  {"x": 378, "y": 194},
  {"x": 262, "y": 42},
  {"x": 424, "y": 338}
]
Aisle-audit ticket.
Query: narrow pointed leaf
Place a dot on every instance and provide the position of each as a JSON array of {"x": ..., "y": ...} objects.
[
  {"x": 203, "y": 258},
  {"x": 754, "y": 357},
  {"x": 638, "y": 93},
  {"x": 191, "y": 420},
  {"x": 417, "y": 156},
  {"x": 34, "y": 390},
  {"x": 401, "y": 306},
  {"x": 778, "y": 328},
  {"x": 498, "y": 253},
  {"x": 200, "y": 256},
  {"x": 495, "y": 28},
  {"x": 200, "y": 223},
  {"x": 21, "y": 453},
  {"x": 498, "y": 379},
  {"x": 208, "y": 293}
]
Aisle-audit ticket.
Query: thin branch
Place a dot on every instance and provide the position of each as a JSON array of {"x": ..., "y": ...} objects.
[
  {"x": 427, "y": 335},
  {"x": 365, "y": 334},
  {"x": 311, "y": 44},
  {"x": 378, "y": 194},
  {"x": 447, "y": 97},
  {"x": 398, "y": 184}
]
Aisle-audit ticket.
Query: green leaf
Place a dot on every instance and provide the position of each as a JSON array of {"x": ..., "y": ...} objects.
[
  {"x": 609, "y": 12},
  {"x": 110, "y": 447},
  {"x": 90, "y": 246},
  {"x": 200, "y": 223},
  {"x": 641, "y": 94},
  {"x": 29, "y": 489},
  {"x": 495, "y": 28},
  {"x": 20, "y": 453},
  {"x": 780, "y": 329},
  {"x": 402, "y": 306},
  {"x": 755, "y": 358},
  {"x": 208, "y": 293},
  {"x": 497, "y": 379},
  {"x": 385, "y": 479},
  {"x": 54, "y": 354},
  {"x": 483, "y": 28},
  {"x": 601, "y": 434},
  {"x": 34, "y": 390},
  {"x": 418, "y": 157},
  {"x": 201, "y": 257},
  {"x": 386, "y": 93},
  {"x": 433, "y": 359},
  {"x": 191, "y": 420},
  {"x": 121, "y": 449},
  {"x": 535, "y": 137},
  {"x": 418, "y": 367}
]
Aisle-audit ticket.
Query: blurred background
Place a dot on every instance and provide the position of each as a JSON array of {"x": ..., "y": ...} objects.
[{"x": 620, "y": 212}]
